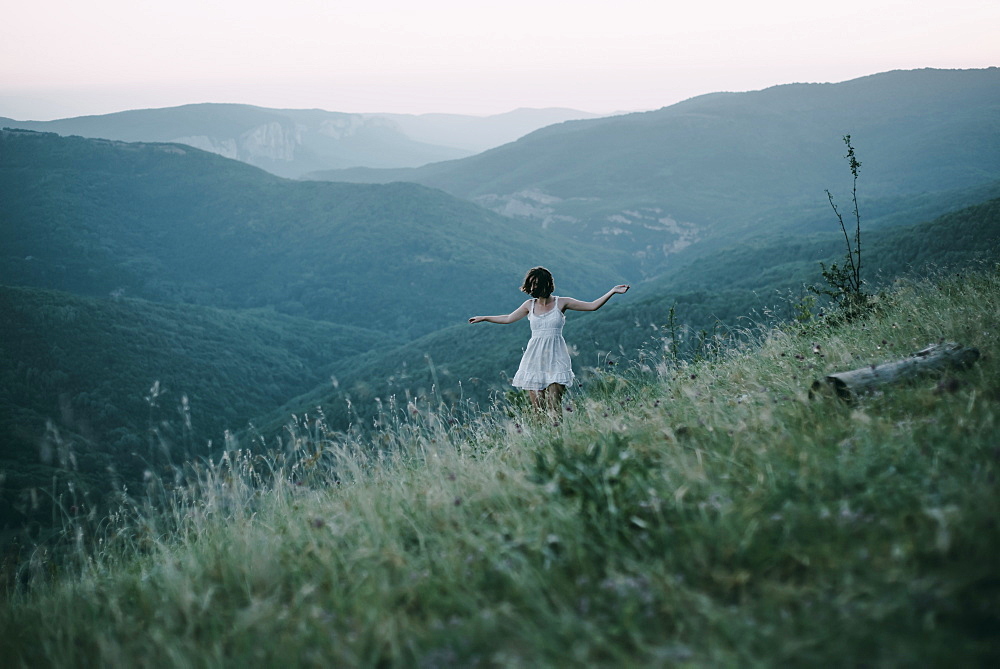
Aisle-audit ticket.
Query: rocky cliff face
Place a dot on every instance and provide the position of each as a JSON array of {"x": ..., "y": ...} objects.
[
  {"x": 648, "y": 233},
  {"x": 273, "y": 144},
  {"x": 271, "y": 141}
]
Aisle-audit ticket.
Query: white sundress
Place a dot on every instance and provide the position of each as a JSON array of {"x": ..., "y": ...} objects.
[{"x": 546, "y": 358}]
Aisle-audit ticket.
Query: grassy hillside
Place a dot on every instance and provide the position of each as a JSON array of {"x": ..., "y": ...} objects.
[
  {"x": 77, "y": 378},
  {"x": 730, "y": 166},
  {"x": 701, "y": 515},
  {"x": 171, "y": 223}
]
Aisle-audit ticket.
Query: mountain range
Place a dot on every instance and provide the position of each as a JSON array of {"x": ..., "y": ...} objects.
[
  {"x": 725, "y": 167},
  {"x": 291, "y": 142}
]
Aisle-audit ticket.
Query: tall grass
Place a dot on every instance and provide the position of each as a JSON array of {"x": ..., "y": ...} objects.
[{"x": 700, "y": 514}]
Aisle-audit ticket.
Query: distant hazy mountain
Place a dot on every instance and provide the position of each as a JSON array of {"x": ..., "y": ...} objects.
[
  {"x": 290, "y": 142},
  {"x": 729, "y": 166},
  {"x": 172, "y": 223}
]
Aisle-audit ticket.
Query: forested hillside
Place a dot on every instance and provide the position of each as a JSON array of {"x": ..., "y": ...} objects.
[
  {"x": 172, "y": 223},
  {"x": 768, "y": 266},
  {"x": 728, "y": 167},
  {"x": 126, "y": 384}
]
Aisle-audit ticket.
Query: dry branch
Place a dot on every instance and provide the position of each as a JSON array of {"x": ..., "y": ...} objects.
[{"x": 850, "y": 384}]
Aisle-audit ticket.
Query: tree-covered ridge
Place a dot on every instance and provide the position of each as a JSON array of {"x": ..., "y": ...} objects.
[
  {"x": 766, "y": 266},
  {"x": 728, "y": 167},
  {"x": 128, "y": 384},
  {"x": 168, "y": 222}
]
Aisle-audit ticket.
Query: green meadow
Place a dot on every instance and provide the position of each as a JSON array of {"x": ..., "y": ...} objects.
[{"x": 678, "y": 513}]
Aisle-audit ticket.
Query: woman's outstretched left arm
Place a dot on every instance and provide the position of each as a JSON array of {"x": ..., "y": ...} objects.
[{"x": 577, "y": 305}]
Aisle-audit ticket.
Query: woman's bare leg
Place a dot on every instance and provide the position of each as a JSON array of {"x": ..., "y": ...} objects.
[
  {"x": 549, "y": 398},
  {"x": 553, "y": 397}
]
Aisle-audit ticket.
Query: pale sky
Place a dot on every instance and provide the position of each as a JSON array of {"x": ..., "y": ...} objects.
[{"x": 62, "y": 58}]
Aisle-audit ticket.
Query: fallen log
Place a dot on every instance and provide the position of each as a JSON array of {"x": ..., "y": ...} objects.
[{"x": 936, "y": 357}]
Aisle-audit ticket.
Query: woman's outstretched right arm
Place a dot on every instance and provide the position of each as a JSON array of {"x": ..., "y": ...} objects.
[{"x": 512, "y": 317}]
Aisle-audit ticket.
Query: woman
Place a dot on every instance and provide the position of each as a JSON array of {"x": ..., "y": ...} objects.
[{"x": 545, "y": 370}]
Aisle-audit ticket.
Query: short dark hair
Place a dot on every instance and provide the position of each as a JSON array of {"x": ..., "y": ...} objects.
[{"x": 538, "y": 282}]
